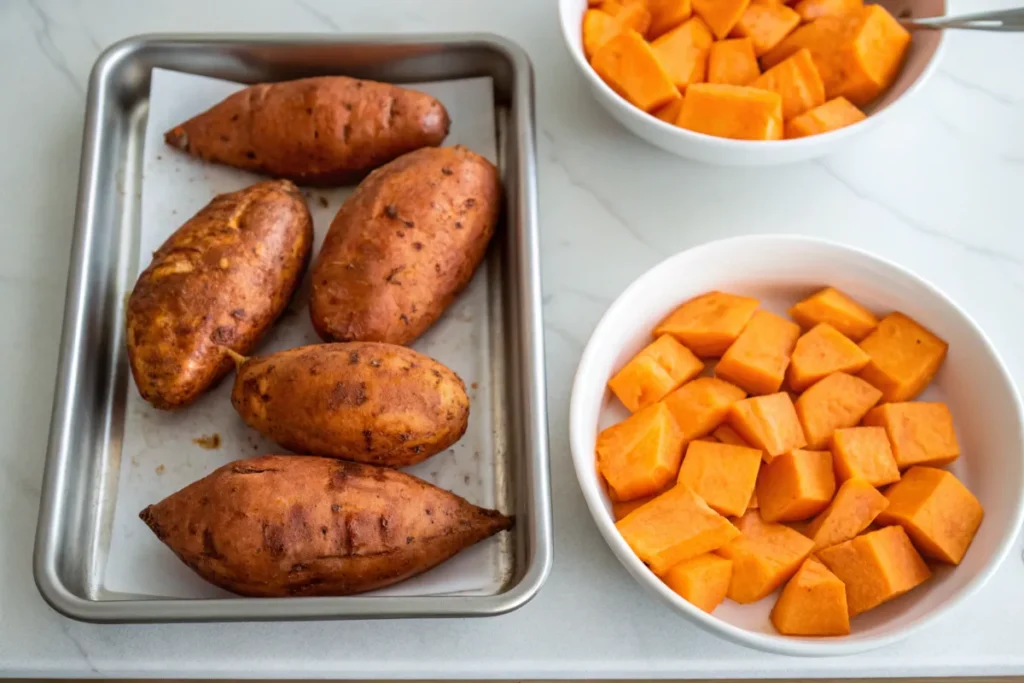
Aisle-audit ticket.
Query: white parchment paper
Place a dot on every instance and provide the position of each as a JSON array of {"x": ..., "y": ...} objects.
[{"x": 164, "y": 451}]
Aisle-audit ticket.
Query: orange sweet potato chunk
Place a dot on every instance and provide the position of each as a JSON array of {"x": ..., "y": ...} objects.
[
  {"x": 795, "y": 486},
  {"x": 757, "y": 360},
  {"x": 835, "y": 114},
  {"x": 920, "y": 433},
  {"x": 863, "y": 453},
  {"x": 836, "y": 402},
  {"x": 838, "y": 310},
  {"x": 598, "y": 28},
  {"x": 723, "y": 475},
  {"x": 622, "y": 508},
  {"x": 683, "y": 52},
  {"x": 876, "y": 567},
  {"x": 797, "y": 82},
  {"x": 628, "y": 65},
  {"x": 813, "y": 603},
  {"x": 937, "y": 511},
  {"x": 670, "y": 112},
  {"x": 666, "y": 15},
  {"x": 733, "y": 62},
  {"x": 904, "y": 357},
  {"x": 732, "y": 111},
  {"x": 658, "y": 369},
  {"x": 765, "y": 23},
  {"x": 700, "y": 406},
  {"x": 856, "y": 505},
  {"x": 702, "y": 581},
  {"x": 821, "y": 352},
  {"x": 809, "y": 10},
  {"x": 640, "y": 455},
  {"x": 709, "y": 323},
  {"x": 769, "y": 423},
  {"x": 720, "y": 15},
  {"x": 764, "y": 556},
  {"x": 674, "y": 527},
  {"x": 630, "y": 14},
  {"x": 822, "y": 37},
  {"x": 727, "y": 434}
]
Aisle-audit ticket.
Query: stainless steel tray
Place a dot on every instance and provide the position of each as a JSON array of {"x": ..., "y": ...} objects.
[{"x": 81, "y": 477}]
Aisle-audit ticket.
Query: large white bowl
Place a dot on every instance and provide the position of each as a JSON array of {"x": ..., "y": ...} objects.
[
  {"x": 922, "y": 58},
  {"x": 780, "y": 270}
]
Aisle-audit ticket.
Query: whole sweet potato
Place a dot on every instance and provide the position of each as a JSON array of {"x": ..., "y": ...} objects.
[
  {"x": 217, "y": 283},
  {"x": 403, "y": 245},
  {"x": 363, "y": 401},
  {"x": 316, "y": 131},
  {"x": 281, "y": 525}
]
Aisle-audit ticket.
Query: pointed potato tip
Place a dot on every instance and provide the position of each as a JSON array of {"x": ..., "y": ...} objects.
[
  {"x": 237, "y": 357},
  {"x": 177, "y": 137}
]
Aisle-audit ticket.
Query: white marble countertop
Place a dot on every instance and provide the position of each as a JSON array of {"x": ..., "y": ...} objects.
[{"x": 937, "y": 187}]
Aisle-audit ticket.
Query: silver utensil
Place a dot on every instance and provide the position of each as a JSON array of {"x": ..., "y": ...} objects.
[{"x": 1002, "y": 20}]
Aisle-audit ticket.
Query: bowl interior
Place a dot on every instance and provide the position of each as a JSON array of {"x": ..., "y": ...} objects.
[{"x": 780, "y": 271}]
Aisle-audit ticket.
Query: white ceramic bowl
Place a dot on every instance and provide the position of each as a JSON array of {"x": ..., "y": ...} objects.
[
  {"x": 922, "y": 58},
  {"x": 780, "y": 270}
]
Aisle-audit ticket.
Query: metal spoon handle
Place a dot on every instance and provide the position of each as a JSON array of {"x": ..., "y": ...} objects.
[{"x": 1004, "y": 20}]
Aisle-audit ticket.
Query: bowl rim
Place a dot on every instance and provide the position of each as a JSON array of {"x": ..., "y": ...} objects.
[
  {"x": 565, "y": 19},
  {"x": 777, "y": 643}
]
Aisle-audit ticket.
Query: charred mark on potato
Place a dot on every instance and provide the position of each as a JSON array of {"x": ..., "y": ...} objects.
[
  {"x": 245, "y": 468},
  {"x": 353, "y": 358},
  {"x": 309, "y": 110},
  {"x": 210, "y": 546},
  {"x": 458, "y": 225},
  {"x": 297, "y": 568},
  {"x": 409, "y": 540},
  {"x": 417, "y": 246},
  {"x": 391, "y": 211},
  {"x": 345, "y": 394},
  {"x": 223, "y": 335},
  {"x": 409, "y": 224},
  {"x": 417, "y": 449},
  {"x": 368, "y": 438},
  {"x": 346, "y": 131},
  {"x": 234, "y": 117},
  {"x": 446, "y": 171},
  {"x": 238, "y": 314},
  {"x": 335, "y": 508},
  {"x": 224, "y": 138},
  {"x": 400, "y": 233},
  {"x": 250, "y": 154},
  {"x": 404, "y": 319},
  {"x": 392, "y": 274},
  {"x": 273, "y": 539},
  {"x": 469, "y": 203},
  {"x": 375, "y": 363}
]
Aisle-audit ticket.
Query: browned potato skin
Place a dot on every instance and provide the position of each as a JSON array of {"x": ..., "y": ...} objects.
[
  {"x": 281, "y": 525},
  {"x": 330, "y": 130},
  {"x": 220, "y": 281},
  {"x": 403, "y": 246},
  {"x": 374, "y": 403}
]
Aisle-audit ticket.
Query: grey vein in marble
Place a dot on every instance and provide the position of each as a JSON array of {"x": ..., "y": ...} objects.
[
  {"x": 53, "y": 54},
  {"x": 320, "y": 16},
  {"x": 974, "y": 87}
]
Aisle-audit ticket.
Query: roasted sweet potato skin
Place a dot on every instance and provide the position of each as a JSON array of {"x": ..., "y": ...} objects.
[
  {"x": 286, "y": 525},
  {"x": 403, "y": 246},
  {"x": 330, "y": 130},
  {"x": 362, "y": 401},
  {"x": 220, "y": 281}
]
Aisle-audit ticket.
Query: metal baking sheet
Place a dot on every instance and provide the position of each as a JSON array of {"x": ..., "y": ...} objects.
[{"x": 88, "y": 439}]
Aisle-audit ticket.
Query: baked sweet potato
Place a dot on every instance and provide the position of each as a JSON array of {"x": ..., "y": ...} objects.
[
  {"x": 217, "y": 283},
  {"x": 363, "y": 401},
  {"x": 403, "y": 245},
  {"x": 330, "y": 130},
  {"x": 281, "y": 525}
]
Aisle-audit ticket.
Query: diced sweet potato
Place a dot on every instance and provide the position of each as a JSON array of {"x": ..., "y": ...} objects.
[
  {"x": 937, "y": 511},
  {"x": 700, "y": 406},
  {"x": 674, "y": 527},
  {"x": 855, "y": 506},
  {"x": 666, "y": 15},
  {"x": 797, "y": 82},
  {"x": 876, "y": 567},
  {"x": 628, "y": 65},
  {"x": 732, "y": 111},
  {"x": 809, "y": 10},
  {"x": 838, "y": 401},
  {"x": 723, "y": 475},
  {"x": 630, "y": 14},
  {"x": 727, "y": 434},
  {"x": 920, "y": 433},
  {"x": 733, "y": 62},
  {"x": 670, "y": 112},
  {"x": 658, "y": 369},
  {"x": 838, "y": 310},
  {"x": 763, "y": 557},
  {"x": 754, "y": 504},
  {"x": 640, "y": 455},
  {"x": 813, "y": 603},
  {"x": 683, "y": 52},
  {"x": 863, "y": 453},
  {"x": 702, "y": 581},
  {"x": 796, "y": 486},
  {"x": 822, "y": 37},
  {"x": 622, "y": 508},
  {"x": 904, "y": 357},
  {"x": 821, "y": 352},
  {"x": 769, "y": 423},
  {"x": 835, "y": 114},
  {"x": 598, "y": 28},
  {"x": 757, "y": 360},
  {"x": 709, "y": 323},
  {"x": 720, "y": 15},
  {"x": 765, "y": 23}
]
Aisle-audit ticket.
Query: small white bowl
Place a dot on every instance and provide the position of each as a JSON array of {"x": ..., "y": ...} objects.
[
  {"x": 922, "y": 58},
  {"x": 780, "y": 270}
]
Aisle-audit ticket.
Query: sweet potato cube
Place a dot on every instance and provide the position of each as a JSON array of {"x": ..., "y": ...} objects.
[
  {"x": 836, "y": 402},
  {"x": 855, "y": 506},
  {"x": 727, "y": 434},
  {"x": 821, "y": 352},
  {"x": 700, "y": 406},
  {"x": 797, "y": 82},
  {"x": 937, "y": 511},
  {"x": 702, "y": 581},
  {"x": 683, "y": 52},
  {"x": 709, "y": 323},
  {"x": 863, "y": 453},
  {"x": 809, "y": 10},
  {"x": 822, "y": 37},
  {"x": 733, "y": 62},
  {"x": 658, "y": 369},
  {"x": 670, "y": 112},
  {"x": 598, "y": 28},
  {"x": 763, "y": 557},
  {"x": 640, "y": 455},
  {"x": 813, "y": 603},
  {"x": 795, "y": 486},
  {"x": 876, "y": 567},
  {"x": 723, "y": 475},
  {"x": 732, "y": 111},
  {"x": 757, "y": 360},
  {"x": 904, "y": 357},
  {"x": 720, "y": 15},
  {"x": 666, "y": 15},
  {"x": 769, "y": 423},
  {"x": 920, "y": 433},
  {"x": 628, "y": 65},
  {"x": 835, "y": 114},
  {"x": 754, "y": 504},
  {"x": 765, "y": 23},
  {"x": 622, "y": 508},
  {"x": 674, "y": 527},
  {"x": 630, "y": 14},
  {"x": 838, "y": 310}
]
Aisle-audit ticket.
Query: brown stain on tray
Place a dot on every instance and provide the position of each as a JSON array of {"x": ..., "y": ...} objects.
[{"x": 209, "y": 442}]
